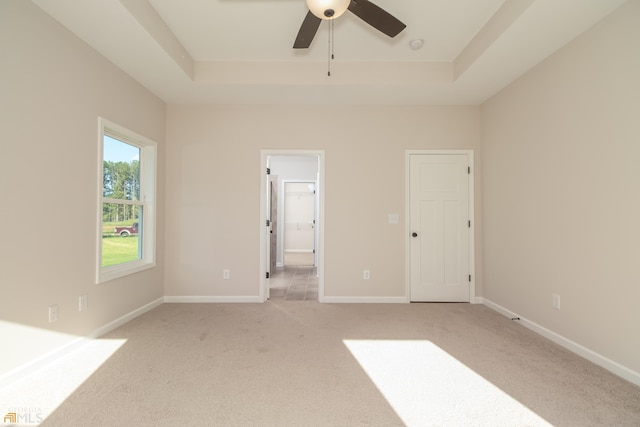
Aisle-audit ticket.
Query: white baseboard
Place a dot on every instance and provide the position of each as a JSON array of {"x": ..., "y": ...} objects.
[
  {"x": 50, "y": 357},
  {"x": 364, "y": 300},
  {"x": 126, "y": 318},
  {"x": 22, "y": 371},
  {"x": 211, "y": 299},
  {"x": 592, "y": 356}
]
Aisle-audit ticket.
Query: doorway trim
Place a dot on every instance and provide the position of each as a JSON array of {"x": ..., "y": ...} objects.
[
  {"x": 407, "y": 222},
  {"x": 264, "y": 241}
]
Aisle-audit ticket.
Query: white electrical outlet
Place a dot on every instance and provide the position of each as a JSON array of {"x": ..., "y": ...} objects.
[
  {"x": 82, "y": 303},
  {"x": 556, "y": 301},
  {"x": 366, "y": 274},
  {"x": 53, "y": 313},
  {"x": 226, "y": 274}
]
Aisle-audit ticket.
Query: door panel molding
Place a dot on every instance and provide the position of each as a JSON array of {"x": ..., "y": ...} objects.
[{"x": 471, "y": 207}]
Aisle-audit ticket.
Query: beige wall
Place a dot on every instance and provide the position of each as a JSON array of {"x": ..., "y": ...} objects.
[
  {"x": 53, "y": 88},
  {"x": 213, "y": 189},
  {"x": 561, "y": 190},
  {"x": 559, "y": 193}
]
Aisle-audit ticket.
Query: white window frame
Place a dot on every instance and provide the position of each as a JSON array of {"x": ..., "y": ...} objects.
[{"x": 148, "y": 173}]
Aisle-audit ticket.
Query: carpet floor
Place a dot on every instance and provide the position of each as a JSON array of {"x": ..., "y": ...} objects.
[{"x": 286, "y": 363}]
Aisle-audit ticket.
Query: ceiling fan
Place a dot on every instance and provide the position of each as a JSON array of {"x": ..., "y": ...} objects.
[{"x": 320, "y": 10}]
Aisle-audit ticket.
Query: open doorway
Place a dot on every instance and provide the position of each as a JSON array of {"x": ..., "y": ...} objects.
[{"x": 292, "y": 210}]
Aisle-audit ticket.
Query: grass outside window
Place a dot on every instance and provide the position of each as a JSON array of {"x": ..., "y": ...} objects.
[{"x": 118, "y": 249}]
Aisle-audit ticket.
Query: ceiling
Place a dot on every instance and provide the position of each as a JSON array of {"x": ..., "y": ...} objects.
[{"x": 240, "y": 51}]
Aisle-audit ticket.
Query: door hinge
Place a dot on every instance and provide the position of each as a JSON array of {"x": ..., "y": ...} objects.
[
  {"x": 267, "y": 275},
  {"x": 469, "y": 170},
  {"x": 469, "y": 278},
  {"x": 469, "y": 223},
  {"x": 268, "y": 223},
  {"x": 268, "y": 171}
]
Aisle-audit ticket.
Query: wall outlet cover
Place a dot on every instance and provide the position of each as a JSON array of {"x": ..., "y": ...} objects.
[{"x": 53, "y": 313}]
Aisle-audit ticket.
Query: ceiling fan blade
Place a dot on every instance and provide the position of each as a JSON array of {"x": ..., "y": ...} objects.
[
  {"x": 307, "y": 31},
  {"x": 376, "y": 17}
]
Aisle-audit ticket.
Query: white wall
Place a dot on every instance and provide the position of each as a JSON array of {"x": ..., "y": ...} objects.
[
  {"x": 213, "y": 190},
  {"x": 561, "y": 190},
  {"x": 53, "y": 88},
  {"x": 294, "y": 167},
  {"x": 299, "y": 214}
]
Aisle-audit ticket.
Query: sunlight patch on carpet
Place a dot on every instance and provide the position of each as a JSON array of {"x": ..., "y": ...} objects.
[
  {"x": 427, "y": 386},
  {"x": 33, "y": 398}
]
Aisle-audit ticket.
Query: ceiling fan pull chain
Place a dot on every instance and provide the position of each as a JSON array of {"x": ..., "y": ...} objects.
[
  {"x": 333, "y": 39},
  {"x": 329, "y": 53}
]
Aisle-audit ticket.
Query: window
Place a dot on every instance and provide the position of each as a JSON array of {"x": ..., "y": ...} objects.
[{"x": 126, "y": 223}]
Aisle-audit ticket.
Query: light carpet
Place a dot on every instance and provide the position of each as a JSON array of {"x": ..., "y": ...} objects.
[{"x": 287, "y": 363}]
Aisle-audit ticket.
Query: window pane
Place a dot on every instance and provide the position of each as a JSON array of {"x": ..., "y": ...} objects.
[
  {"x": 121, "y": 170},
  {"x": 126, "y": 225},
  {"x": 121, "y": 232}
]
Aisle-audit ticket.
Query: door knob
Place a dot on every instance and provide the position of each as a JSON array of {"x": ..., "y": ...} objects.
[{"x": 414, "y": 234}]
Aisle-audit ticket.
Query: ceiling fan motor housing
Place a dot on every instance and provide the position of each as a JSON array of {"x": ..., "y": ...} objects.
[{"x": 328, "y": 9}]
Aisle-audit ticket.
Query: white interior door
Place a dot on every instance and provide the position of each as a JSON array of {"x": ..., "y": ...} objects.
[
  {"x": 440, "y": 227},
  {"x": 272, "y": 200}
]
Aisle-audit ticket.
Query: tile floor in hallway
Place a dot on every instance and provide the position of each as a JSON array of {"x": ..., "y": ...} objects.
[{"x": 294, "y": 283}]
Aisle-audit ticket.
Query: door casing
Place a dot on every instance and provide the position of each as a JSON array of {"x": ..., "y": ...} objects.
[{"x": 470, "y": 155}]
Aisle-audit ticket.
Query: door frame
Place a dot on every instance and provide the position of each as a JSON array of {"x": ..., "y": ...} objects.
[
  {"x": 264, "y": 241},
  {"x": 407, "y": 222}
]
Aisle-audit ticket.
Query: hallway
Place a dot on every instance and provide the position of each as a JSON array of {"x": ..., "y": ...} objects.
[{"x": 294, "y": 283}]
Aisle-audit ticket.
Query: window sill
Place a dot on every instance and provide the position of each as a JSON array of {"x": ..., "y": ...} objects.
[{"x": 113, "y": 272}]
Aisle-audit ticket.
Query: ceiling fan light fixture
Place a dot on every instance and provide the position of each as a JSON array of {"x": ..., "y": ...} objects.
[{"x": 328, "y": 9}]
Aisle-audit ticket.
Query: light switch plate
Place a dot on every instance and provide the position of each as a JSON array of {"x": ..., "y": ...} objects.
[{"x": 53, "y": 313}]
